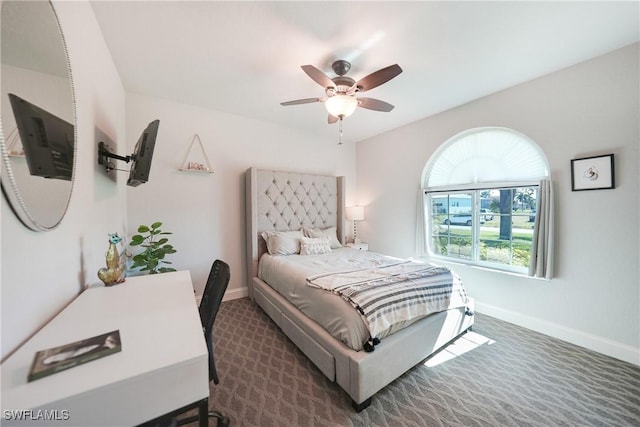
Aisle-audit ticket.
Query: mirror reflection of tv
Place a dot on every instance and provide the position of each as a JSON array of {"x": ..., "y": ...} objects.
[
  {"x": 47, "y": 140},
  {"x": 142, "y": 155}
]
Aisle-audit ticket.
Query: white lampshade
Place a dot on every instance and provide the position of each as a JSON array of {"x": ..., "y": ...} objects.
[
  {"x": 341, "y": 105},
  {"x": 355, "y": 213}
]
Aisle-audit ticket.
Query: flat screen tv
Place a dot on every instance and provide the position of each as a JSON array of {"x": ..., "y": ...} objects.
[
  {"x": 47, "y": 140},
  {"x": 142, "y": 155}
]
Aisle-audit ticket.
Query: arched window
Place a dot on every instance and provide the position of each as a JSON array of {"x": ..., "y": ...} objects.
[{"x": 482, "y": 194}]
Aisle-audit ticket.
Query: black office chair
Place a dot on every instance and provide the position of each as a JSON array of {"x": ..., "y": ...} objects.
[{"x": 211, "y": 299}]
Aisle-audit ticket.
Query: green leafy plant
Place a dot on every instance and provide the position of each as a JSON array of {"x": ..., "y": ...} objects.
[{"x": 155, "y": 249}]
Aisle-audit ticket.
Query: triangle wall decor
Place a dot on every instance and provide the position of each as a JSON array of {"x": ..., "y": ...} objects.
[{"x": 194, "y": 163}]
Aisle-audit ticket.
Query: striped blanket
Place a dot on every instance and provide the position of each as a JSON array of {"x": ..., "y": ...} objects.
[{"x": 396, "y": 292}]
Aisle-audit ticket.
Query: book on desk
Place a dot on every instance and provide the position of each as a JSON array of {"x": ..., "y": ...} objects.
[{"x": 57, "y": 359}]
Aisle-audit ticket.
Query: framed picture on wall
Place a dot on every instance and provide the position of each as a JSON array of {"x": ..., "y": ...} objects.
[{"x": 592, "y": 173}]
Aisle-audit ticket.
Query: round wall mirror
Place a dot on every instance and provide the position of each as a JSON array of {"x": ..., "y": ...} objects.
[{"x": 37, "y": 136}]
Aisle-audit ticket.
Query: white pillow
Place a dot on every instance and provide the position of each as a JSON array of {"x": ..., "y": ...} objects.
[
  {"x": 283, "y": 242},
  {"x": 314, "y": 246},
  {"x": 330, "y": 233}
]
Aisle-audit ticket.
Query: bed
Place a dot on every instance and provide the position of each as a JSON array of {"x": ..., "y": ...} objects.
[{"x": 281, "y": 203}]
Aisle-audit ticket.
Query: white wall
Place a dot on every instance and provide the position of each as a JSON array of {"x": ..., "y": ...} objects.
[
  {"x": 206, "y": 212},
  {"x": 41, "y": 272},
  {"x": 588, "y": 109}
]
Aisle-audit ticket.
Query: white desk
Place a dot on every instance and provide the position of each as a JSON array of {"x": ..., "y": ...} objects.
[{"x": 163, "y": 365}]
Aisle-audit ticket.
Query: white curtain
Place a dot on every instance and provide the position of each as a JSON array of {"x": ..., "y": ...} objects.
[
  {"x": 541, "y": 264},
  {"x": 421, "y": 229}
]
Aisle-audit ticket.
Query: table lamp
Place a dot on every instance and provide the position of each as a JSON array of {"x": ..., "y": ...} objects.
[{"x": 355, "y": 214}]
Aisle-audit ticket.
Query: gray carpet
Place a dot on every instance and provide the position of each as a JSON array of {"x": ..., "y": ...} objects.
[{"x": 514, "y": 377}]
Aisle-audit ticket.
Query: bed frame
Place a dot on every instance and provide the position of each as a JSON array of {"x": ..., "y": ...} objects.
[{"x": 284, "y": 201}]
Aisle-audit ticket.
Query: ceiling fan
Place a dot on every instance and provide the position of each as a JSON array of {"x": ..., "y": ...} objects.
[{"x": 342, "y": 91}]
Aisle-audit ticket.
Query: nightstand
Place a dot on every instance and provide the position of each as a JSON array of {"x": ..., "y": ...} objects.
[{"x": 359, "y": 246}]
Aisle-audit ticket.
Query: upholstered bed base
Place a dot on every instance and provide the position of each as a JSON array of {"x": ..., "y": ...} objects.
[{"x": 360, "y": 374}]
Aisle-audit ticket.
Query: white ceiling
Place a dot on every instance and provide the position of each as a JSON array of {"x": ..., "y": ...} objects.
[{"x": 244, "y": 58}]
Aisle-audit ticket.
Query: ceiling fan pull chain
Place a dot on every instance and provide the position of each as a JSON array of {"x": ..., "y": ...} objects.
[{"x": 340, "y": 139}]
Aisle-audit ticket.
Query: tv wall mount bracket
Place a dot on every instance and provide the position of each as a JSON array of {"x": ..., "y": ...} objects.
[{"x": 104, "y": 154}]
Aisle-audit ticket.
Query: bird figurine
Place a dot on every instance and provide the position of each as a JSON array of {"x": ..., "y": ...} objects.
[{"x": 113, "y": 274}]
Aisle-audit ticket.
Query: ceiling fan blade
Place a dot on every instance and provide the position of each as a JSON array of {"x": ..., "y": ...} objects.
[
  {"x": 375, "y": 104},
  {"x": 377, "y": 78},
  {"x": 301, "y": 101},
  {"x": 318, "y": 76},
  {"x": 332, "y": 119}
]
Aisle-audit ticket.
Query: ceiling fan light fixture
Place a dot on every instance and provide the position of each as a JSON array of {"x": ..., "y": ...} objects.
[{"x": 341, "y": 105}]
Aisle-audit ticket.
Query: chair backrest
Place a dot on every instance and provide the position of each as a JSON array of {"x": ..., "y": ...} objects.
[
  {"x": 213, "y": 292},
  {"x": 211, "y": 299}
]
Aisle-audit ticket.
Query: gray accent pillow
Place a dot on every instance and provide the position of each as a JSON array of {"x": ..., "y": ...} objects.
[
  {"x": 314, "y": 246},
  {"x": 330, "y": 233},
  {"x": 283, "y": 242}
]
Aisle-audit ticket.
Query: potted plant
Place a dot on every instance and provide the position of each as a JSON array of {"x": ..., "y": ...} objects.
[{"x": 151, "y": 259}]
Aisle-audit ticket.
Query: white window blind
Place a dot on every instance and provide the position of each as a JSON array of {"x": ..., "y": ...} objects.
[{"x": 486, "y": 155}]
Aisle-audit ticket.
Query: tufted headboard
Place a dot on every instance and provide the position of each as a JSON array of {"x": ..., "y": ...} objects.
[{"x": 282, "y": 201}]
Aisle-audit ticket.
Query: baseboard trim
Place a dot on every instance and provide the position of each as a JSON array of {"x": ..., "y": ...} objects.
[
  {"x": 230, "y": 294},
  {"x": 573, "y": 336},
  {"x": 236, "y": 293}
]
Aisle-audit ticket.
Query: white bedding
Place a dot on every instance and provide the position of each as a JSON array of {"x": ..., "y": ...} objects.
[
  {"x": 288, "y": 276},
  {"x": 396, "y": 292}
]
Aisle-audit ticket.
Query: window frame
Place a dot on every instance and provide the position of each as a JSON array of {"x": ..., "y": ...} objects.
[
  {"x": 475, "y": 190},
  {"x": 460, "y": 164}
]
